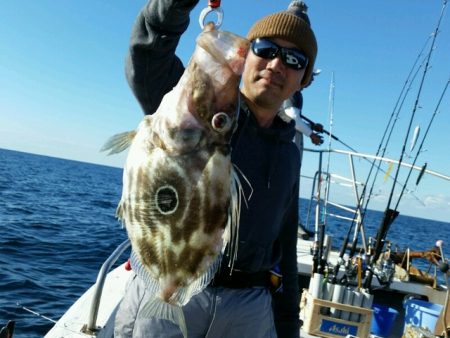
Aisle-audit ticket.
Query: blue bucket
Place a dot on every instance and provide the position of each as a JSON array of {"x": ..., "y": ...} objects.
[
  {"x": 383, "y": 318},
  {"x": 422, "y": 314}
]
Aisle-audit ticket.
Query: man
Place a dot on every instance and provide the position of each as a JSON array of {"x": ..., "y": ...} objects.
[{"x": 238, "y": 303}]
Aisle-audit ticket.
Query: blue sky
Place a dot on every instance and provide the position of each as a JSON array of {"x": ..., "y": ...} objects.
[{"x": 63, "y": 91}]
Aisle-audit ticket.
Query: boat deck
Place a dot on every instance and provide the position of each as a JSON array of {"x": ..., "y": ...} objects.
[{"x": 71, "y": 324}]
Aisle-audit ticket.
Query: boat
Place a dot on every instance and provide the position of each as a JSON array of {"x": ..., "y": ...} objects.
[
  {"x": 404, "y": 300},
  {"x": 362, "y": 290},
  {"x": 92, "y": 315}
]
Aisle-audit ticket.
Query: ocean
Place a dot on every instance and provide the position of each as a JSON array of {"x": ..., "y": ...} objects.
[{"x": 58, "y": 225}]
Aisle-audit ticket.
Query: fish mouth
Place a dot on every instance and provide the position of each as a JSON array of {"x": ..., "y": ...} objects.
[
  {"x": 186, "y": 139},
  {"x": 189, "y": 135}
]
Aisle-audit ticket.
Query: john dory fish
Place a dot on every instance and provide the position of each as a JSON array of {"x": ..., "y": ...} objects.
[{"x": 180, "y": 200}]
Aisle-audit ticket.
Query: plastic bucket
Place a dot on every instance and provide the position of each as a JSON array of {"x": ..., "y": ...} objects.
[
  {"x": 422, "y": 314},
  {"x": 383, "y": 318}
]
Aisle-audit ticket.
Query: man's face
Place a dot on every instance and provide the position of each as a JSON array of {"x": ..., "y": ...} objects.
[{"x": 268, "y": 82}]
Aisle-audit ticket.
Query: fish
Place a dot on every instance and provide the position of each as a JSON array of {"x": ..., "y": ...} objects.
[{"x": 181, "y": 195}]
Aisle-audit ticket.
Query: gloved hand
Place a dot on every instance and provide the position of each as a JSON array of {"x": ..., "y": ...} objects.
[
  {"x": 316, "y": 139},
  {"x": 317, "y": 127}
]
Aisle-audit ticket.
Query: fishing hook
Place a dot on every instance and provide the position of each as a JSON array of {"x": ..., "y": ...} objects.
[{"x": 213, "y": 6}]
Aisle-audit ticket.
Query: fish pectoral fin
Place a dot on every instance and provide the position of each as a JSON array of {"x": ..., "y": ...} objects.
[
  {"x": 157, "y": 308},
  {"x": 119, "y": 142}
]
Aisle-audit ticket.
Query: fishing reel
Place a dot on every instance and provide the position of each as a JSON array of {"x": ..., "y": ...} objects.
[
  {"x": 355, "y": 269},
  {"x": 384, "y": 268},
  {"x": 385, "y": 271}
]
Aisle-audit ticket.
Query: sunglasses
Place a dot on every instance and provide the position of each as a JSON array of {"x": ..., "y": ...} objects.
[{"x": 267, "y": 49}]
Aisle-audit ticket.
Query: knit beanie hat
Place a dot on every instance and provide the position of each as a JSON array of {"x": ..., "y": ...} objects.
[{"x": 291, "y": 25}]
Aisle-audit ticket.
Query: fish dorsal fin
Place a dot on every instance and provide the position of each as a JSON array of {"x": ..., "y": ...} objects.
[{"x": 119, "y": 142}]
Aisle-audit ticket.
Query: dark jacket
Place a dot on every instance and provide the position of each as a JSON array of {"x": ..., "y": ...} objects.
[{"x": 266, "y": 156}]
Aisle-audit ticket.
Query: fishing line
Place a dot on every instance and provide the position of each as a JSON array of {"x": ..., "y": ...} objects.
[
  {"x": 330, "y": 119},
  {"x": 51, "y": 320},
  {"x": 320, "y": 228},
  {"x": 374, "y": 164},
  {"x": 416, "y": 104},
  {"x": 35, "y": 313},
  {"x": 395, "y": 113},
  {"x": 394, "y": 117},
  {"x": 402, "y": 96},
  {"x": 391, "y": 214},
  {"x": 423, "y": 140}
]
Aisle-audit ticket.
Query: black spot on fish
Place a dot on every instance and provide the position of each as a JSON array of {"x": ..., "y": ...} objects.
[{"x": 166, "y": 199}]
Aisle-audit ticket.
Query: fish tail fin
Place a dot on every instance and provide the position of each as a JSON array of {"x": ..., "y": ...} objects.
[
  {"x": 157, "y": 308},
  {"x": 119, "y": 142}
]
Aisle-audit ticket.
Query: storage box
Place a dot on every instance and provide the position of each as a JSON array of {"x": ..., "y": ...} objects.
[{"x": 317, "y": 323}]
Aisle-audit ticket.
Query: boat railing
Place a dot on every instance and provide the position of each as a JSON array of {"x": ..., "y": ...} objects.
[
  {"x": 91, "y": 327},
  {"x": 323, "y": 182},
  {"x": 325, "y": 178}
]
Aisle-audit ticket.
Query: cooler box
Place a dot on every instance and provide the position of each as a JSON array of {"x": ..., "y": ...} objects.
[{"x": 421, "y": 313}]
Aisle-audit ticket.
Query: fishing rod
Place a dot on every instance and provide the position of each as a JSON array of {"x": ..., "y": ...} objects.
[
  {"x": 416, "y": 103},
  {"x": 334, "y": 137},
  {"x": 316, "y": 247},
  {"x": 330, "y": 119},
  {"x": 360, "y": 200},
  {"x": 362, "y": 211},
  {"x": 359, "y": 209},
  {"x": 421, "y": 144},
  {"x": 327, "y": 182},
  {"x": 327, "y": 179},
  {"x": 393, "y": 117},
  {"x": 391, "y": 214},
  {"x": 346, "y": 145},
  {"x": 382, "y": 149}
]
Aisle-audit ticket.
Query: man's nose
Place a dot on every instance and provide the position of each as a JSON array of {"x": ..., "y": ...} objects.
[{"x": 276, "y": 63}]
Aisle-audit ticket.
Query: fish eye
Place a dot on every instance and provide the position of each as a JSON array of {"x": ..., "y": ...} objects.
[
  {"x": 166, "y": 198},
  {"x": 221, "y": 122}
]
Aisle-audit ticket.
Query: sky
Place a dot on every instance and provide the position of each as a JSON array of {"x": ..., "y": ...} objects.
[{"x": 63, "y": 91}]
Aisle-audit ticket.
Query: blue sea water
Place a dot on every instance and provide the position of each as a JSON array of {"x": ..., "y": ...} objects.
[{"x": 57, "y": 226}]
